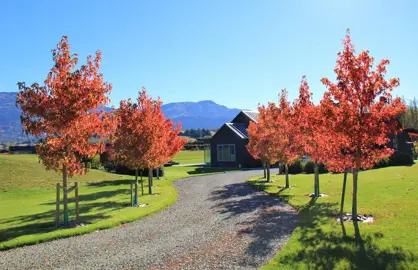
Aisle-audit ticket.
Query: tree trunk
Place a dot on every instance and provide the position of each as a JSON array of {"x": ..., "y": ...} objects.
[
  {"x": 65, "y": 199},
  {"x": 136, "y": 188},
  {"x": 342, "y": 203},
  {"x": 157, "y": 171},
  {"x": 268, "y": 172},
  {"x": 149, "y": 181},
  {"x": 316, "y": 180},
  {"x": 286, "y": 168},
  {"x": 264, "y": 170},
  {"x": 142, "y": 183},
  {"x": 354, "y": 206},
  {"x": 152, "y": 179}
]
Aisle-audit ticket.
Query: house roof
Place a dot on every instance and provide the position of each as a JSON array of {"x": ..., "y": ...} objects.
[
  {"x": 239, "y": 129},
  {"x": 252, "y": 115}
]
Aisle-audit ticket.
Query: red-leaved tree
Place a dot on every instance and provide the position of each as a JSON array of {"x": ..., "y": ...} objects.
[
  {"x": 273, "y": 138},
  {"x": 311, "y": 131},
  {"x": 286, "y": 135},
  {"x": 66, "y": 113},
  {"x": 260, "y": 138},
  {"x": 143, "y": 138},
  {"x": 361, "y": 112}
]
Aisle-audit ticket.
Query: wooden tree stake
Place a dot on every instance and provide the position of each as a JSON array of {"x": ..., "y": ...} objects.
[
  {"x": 132, "y": 202},
  {"x": 77, "y": 209},
  {"x": 57, "y": 211}
]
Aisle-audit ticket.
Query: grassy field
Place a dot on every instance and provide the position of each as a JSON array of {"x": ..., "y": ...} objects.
[
  {"x": 189, "y": 157},
  {"x": 27, "y": 200},
  {"x": 389, "y": 194}
]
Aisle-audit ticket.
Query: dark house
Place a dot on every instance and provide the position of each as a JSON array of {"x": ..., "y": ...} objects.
[
  {"x": 402, "y": 142},
  {"x": 228, "y": 145},
  {"x": 22, "y": 149}
]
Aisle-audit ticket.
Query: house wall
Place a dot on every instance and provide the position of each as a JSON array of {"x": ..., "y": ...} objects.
[
  {"x": 402, "y": 143},
  {"x": 226, "y": 136},
  {"x": 247, "y": 160}
]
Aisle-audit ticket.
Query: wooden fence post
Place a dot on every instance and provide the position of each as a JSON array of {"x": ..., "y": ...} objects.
[
  {"x": 57, "y": 209},
  {"x": 77, "y": 210}
]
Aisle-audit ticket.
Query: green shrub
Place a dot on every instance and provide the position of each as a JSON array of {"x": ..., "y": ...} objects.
[
  {"x": 112, "y": 166},
  {"x": 295, "y": 167},
  {"x": 308, "y": 167},
  {"x": 322, "y": 168},
  {"x": 400, "y": 159}
]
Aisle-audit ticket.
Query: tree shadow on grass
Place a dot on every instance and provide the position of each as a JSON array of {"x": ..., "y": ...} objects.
[
  {"x": 326, "y": 248},
  {"x": 259, "y": 185},
  {"x": 118, "y": 182},
  {"x": 95, "y": 195},
  {"x": 45, "y": 222},
  {"x": 90, "y": 211}
]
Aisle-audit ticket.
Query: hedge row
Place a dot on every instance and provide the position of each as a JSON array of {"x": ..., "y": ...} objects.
[
  {"x": 303, "y": 167},
  {"x": 112, "y": 166},
  {"x": 119, "y": 169},
  {"x": 397, "y": 159}
]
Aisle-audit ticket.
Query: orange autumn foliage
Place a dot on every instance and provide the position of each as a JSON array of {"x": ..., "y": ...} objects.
[
  {"x": 310, "y": 129},
  {"x": 273, "y": 138},
  {"x": 359, "y": 110},
  {"x": 66, "y": 111},
  {"x": 143, "y": 137},
  {"x": 261, "y": 145},
  {"x": 286, "y": 136}
]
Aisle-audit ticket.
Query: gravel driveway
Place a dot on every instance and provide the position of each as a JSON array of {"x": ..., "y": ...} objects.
[{"x": 218, "y": 222}]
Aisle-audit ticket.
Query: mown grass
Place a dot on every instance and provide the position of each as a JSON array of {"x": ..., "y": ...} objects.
[
  {"x": 389, "y": 194},
  {"x": 27, "y": 200},
  {"x": 189, "y": 157},
  {"x": 25, "y": 171}
]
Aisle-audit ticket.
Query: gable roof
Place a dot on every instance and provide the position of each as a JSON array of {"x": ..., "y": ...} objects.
[
  {"x": 239, "y": 129},
  {"x": 252, "y": 115}
]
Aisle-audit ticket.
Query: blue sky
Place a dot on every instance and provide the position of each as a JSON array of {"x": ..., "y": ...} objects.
[{"x": 237, "y": 53}]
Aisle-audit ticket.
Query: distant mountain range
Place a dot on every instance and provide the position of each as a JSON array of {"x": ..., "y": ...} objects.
[
  {"x": 10, "y": 127},
  {"x": 202, "y": 114}
]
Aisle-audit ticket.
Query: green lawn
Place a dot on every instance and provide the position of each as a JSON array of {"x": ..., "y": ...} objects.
[
  {"x": 389, "y": 194},
  {"x": 189, "y": 157},
  {"x": 27, "y": 200}
]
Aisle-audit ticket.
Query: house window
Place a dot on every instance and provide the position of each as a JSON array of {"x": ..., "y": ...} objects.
[{"x": 226, "y": 152}]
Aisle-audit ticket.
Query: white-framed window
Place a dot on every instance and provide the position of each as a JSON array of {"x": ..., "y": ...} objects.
[{"x": 226, "y": 152}]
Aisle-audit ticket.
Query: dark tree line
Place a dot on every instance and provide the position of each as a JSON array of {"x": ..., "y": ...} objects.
[
  {"x": 410, "y": 118},
  {"x": 196, "y": 133}
]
